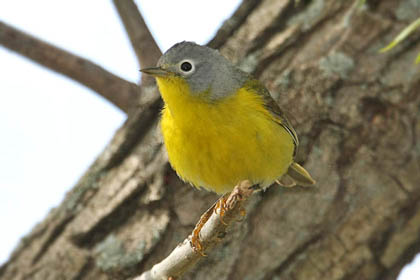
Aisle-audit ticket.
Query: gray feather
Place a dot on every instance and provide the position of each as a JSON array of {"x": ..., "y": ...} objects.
[{"x": 213, "y": 72}]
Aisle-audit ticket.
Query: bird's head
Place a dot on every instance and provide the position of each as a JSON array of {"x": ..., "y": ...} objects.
[{"x": 204, "y": 70}]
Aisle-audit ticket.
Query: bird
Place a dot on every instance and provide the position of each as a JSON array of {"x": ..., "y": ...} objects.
[{"x": 220, "y": 125}]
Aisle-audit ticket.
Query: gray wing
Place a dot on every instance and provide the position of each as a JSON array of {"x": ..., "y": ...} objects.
[{"x": 274, "y": 108}]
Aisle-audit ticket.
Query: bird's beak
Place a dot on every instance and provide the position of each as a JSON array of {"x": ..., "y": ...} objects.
[{"x": 155, "y": 71}]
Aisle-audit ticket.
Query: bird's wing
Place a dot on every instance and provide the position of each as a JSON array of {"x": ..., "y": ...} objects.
[
  {"x": 271, "y": 105},
  {"x": 296, "y": 174}
]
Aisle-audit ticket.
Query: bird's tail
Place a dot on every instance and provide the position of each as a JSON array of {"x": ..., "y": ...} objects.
[{"x": 296, "y": 175}]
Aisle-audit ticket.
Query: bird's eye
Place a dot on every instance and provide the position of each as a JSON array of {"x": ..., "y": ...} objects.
[{"x": 186, "y": 66}]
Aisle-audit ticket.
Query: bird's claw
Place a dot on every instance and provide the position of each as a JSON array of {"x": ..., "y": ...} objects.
[{"x": 223, "y": 204}]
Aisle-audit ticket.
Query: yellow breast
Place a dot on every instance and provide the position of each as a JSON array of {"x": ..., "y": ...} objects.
[{"x": 218, "y": 144}]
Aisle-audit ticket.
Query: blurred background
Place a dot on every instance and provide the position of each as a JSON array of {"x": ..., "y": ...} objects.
[{"x": 48, "y": 122}]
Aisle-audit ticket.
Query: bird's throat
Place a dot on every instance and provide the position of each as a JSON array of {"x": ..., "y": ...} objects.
[{"x": 183, "y": 105}]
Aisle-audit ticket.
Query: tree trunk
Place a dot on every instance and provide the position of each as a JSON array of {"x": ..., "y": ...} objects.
[{"x": 357, "y": 114}]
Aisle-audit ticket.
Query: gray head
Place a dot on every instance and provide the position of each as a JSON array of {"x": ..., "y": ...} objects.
[{"x": 204, "y": 69}]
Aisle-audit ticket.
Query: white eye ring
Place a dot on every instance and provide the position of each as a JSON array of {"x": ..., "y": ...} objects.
[{"x": 186, "y": 66}]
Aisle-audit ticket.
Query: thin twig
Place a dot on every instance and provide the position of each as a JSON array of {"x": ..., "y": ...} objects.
[
  {"x": 120, "y": 92},
  {"x": 144, "y": 44},
  {"x": 184, "y": 257}
]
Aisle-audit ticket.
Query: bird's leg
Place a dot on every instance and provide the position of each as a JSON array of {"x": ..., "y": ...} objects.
[
  {"x": 228, "y": 201},
  {"x": 221, "y": 206},
  {"x": 195, "y": 238},
  {"x": 238, "y": 194}
]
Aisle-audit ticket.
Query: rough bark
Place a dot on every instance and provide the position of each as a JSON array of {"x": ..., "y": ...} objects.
[{"x": 357, "y": 114}]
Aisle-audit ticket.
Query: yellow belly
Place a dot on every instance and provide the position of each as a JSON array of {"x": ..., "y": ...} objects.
[{"x": 216, "y": 145}]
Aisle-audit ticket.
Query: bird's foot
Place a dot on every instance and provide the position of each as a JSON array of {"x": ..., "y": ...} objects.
[
  {"x": 228, "y": 201},
  {"x": 223, "y": 204},
  {"x": 195, "y": 238},
  {"x": 221, "y": 207}
]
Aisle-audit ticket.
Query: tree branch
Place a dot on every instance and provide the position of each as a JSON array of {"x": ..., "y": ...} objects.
[
  {"x": 184, "y": 257},
  {"x": 233, "y": 23},
  {"x": 118, "y": 91},
  {"x": 144, "y": 44}
]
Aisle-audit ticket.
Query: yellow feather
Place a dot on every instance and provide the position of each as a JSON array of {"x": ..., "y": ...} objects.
[{"x": 217, "y": 144}]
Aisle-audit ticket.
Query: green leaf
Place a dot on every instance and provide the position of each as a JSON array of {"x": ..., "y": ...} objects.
[
  {"x": 418, "y": 59},
  {"x": 403, "y": 34}
]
